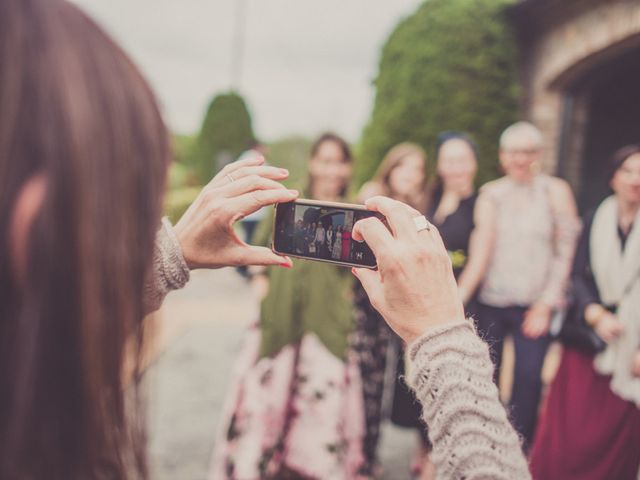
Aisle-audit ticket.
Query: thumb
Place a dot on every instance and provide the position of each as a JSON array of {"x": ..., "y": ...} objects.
[
  {"x": 253, "y": 255},
  {"x": 371, "y": 282}
]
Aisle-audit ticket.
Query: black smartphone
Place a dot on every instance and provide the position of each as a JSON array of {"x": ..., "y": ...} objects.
[{"x": 322, "y": 231}]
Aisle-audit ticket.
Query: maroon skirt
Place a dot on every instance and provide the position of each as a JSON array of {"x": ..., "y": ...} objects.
[{"x": 586, "y": 431}]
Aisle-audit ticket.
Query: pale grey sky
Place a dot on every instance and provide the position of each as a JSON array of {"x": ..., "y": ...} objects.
[{"x": 308, "y": 64}]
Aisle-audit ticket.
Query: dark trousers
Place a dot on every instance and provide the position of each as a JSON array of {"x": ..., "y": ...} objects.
[
  {"x": 249, "y": 226},
  {"x": 494, "y": 324}
]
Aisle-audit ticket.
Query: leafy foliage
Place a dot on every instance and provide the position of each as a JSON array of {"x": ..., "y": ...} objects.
[
  {"x": 291, "y": 153},
  {"x": 226, "y": 132},
  {"x": 449, "y": 66}
]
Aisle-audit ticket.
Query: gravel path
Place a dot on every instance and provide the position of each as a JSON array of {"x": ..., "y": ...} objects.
[{"x": 201, "y": 327}]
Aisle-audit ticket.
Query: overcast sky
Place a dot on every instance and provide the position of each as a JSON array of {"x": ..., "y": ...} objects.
[{"x": 308, "y": 64}]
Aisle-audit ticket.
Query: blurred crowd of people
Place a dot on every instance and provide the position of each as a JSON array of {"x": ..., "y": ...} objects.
[
  {"x": 308, "y": 393},
  {"x": 85, "y": 255}
]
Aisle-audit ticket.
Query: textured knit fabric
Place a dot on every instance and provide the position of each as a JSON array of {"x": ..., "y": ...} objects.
[
  {"x": 170, "y": 271},
  {"x": 472, "y": 438}
]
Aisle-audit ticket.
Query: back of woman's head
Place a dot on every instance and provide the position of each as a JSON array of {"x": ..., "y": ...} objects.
[{"x": 76, "y": 115}]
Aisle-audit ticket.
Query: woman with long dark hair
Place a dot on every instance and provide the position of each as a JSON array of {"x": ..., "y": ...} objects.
[
  {"x": 295, "y": 407},
  {"x": 591, "y": 426},
  {"x": 83, "y": 161}
]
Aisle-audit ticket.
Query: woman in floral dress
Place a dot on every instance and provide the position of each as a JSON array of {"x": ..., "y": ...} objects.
[{"x": 295, "y": 409}]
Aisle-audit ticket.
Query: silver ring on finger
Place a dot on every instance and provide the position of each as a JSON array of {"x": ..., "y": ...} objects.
[
  {"x": 422, "y": 223},
  {"x": 229, "y": 177}
]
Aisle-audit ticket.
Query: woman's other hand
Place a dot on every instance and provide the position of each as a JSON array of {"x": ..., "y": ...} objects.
[
  {"x": 206, "y": 232},
  {"x": 635, "y": 364},
  {"x": 608, "y": 327},
  {"x": 414, "y": 288},
  {"x": 537, "y": 321}
]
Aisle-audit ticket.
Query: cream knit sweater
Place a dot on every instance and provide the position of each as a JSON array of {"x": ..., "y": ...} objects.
[
  {"x": 170, "y": 271},
  {"x": 452, "y": 375},
  {"x": 450, "y": 371}
]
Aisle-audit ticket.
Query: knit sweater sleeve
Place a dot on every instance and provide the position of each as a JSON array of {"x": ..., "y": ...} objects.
[
  {"x": 451, "y": 373},
  {"x": 169, "y": 272}
]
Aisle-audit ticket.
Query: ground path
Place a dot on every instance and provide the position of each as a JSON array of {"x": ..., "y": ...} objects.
[{"x": 199, "y": 330}]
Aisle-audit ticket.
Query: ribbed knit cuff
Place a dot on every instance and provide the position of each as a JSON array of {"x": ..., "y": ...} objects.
[
  {"x": 169, "y": 269},
  {"x": 174, "y": 267}
]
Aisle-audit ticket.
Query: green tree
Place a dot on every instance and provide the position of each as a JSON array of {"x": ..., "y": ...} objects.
[
  {"x": 226, "y": 132},
  {"x": 291, "y": 153},
  {"x": 449, "y": 66}
]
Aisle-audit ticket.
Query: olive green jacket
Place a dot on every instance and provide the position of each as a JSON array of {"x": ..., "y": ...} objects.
[{"x": 311, "y": 297}]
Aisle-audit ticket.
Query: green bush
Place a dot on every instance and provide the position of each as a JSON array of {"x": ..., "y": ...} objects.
[
  {"x": 183, "y": 148},
  {"x": 226, "y": 132},
  {"x": 291, "y": 153},
  {"x": 181, "y": 175},
  {"x": 449, "y": 66},
  {"x": 178, "y": 200}
]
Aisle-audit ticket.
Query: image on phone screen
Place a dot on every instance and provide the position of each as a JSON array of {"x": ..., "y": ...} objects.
[{"x": 322, "y": 232}]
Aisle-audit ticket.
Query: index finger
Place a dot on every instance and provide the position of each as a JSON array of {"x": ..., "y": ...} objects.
[
  {"x": 373, "y": 231},
  {"x": 222, "y": 175},
  {"x": 399, "y": 215}
]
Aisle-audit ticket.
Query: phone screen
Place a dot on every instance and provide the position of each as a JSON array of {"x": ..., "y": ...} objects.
[{"x": 322, "y": 231}]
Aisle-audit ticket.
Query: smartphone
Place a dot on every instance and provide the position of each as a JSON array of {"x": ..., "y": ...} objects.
[{"x": 321, "y": 231}]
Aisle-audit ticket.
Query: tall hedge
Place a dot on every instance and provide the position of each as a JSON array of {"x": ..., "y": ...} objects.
[
  {"x": 449, "y": 66},
  {"x": 226, "y": 132}
]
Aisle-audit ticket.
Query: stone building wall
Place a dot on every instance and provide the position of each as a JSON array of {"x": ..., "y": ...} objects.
[{"x": 560, "y": 41}]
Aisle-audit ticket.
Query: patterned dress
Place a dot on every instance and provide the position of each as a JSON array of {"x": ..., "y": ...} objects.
[{"x": 295, "y": 407}]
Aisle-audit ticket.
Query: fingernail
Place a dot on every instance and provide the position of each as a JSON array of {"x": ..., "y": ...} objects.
[
  {"x": 354, "y": 271},
  {"x": 286, "y": 265},
  {"x": 293, "y": 193},
  {"x": 284, "y": 171}
]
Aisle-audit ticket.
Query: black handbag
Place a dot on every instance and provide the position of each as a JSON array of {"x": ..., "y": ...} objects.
[{"x": 577, "y": 333}]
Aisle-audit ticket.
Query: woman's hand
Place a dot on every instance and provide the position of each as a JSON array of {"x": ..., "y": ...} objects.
[
  {"x": 206, "y": 232},
  {"x": 635, "y": 365},
  {"x": 413, "y": 288},
  {"x": 537, "y": 321},
  {"x": 608, "y": 327}
]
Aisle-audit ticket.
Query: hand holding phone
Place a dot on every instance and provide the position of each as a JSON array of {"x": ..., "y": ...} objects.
[
  {"x": 414, "y": 288},
  {"x": 322, "y": 231}
]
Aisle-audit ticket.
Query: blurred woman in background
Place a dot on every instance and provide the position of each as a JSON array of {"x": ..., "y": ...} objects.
[
  {"x": 336, "y": 251},
  {"x": 526, "y": 225},
  {"x": 402, "y": 176},
  {"x": 295, "y": 408},
  {"x": 346, "y": 243},
  {"x": 591, "y": 426},
  {"x": 452, "y": 205}
]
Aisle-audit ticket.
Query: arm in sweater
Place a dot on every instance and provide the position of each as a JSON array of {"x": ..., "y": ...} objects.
[
  {"x": 451, "y": 373},
  {"x": 169, "y": 270}
]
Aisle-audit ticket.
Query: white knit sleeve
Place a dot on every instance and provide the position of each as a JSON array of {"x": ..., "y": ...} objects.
[{"x": 452, "y": 375}]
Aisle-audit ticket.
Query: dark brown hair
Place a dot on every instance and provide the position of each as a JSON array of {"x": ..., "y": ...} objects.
[
  {"x": 436, "y": 188},
  {"x": 74, "y": 109},
  {"x": 332, "y": 137},
  {"x": 620, "y": 156},
  {"x": 347, "y": 157}
]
